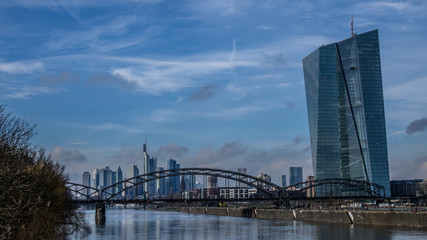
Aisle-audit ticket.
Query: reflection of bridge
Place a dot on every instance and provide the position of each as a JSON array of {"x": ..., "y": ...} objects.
[{"x": 336, "y": 188}]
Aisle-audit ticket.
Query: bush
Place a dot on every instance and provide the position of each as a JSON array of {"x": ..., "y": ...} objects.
[{"x": 34, "y": 200}]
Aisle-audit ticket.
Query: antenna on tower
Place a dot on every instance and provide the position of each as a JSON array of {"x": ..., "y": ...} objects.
[{"x": 352, "y": 26}]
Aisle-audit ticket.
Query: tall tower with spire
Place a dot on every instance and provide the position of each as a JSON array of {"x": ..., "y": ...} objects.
[{"x": 150, "y": 165}]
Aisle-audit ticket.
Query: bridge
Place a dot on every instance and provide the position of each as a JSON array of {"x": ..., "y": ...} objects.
[{"x": 263, "y": 190}]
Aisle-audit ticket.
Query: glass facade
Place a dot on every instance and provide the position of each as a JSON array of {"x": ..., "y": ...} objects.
[{"x": 346, "y": 110}]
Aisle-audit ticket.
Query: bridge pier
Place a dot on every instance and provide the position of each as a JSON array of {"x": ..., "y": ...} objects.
[{"x": 100, "y": 214}]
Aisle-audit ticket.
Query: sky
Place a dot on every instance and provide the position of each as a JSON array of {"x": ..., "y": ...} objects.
[{"x": 215, "y": 83}]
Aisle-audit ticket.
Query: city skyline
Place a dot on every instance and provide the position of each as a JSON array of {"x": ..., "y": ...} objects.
[{"x": 216, "y": 84}]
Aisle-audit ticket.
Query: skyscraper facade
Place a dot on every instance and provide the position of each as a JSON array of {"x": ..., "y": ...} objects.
[
  {"x": 283, "y": 180},
  {"x": 86, "y": 181},
  {"x": 134, "y": 191},
  {"x": 173, "y": 183},
  {"x": 295, "y": 175},
  {"x": 150, "y": 165},
  {"x": 345, "y": 106}
]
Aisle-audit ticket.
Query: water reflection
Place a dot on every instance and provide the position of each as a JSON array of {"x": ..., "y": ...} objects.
[{"x": 140, "y": 224}]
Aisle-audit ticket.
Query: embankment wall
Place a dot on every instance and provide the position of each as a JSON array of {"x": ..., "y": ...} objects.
[{"x": 374, "y": 218}]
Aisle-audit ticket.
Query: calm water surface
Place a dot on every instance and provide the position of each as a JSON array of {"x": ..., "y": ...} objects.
[{"x": 140, "y": 224}]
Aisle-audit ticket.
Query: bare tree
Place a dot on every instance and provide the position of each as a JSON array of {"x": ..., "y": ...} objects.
[{"x": 34, "y": 200}]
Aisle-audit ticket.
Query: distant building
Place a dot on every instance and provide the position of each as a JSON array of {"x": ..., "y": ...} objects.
[
  {"x": 283, "y": 182},
  {"x": 310, "y": 190},
  {"x": 162, "y": 190},
  {"x": 404, "y": 188},
  {"x": 150, "y": 165},
  {"x": 265, "y": 177},
  {"x": 236, "y": 193},
  {"x": 212, "y": 182},
  {"x": 119, "y": 174},
  {"x": 190, "y": 182},
  {"x": 95, "y": 179},
  {"x": 136, "y": 189},
  {"x": 173, "y": 183},
  {"x": 295, "y": 175},
  {"x": 422, "y": 189},
  {"x": 86, "y": 181}
]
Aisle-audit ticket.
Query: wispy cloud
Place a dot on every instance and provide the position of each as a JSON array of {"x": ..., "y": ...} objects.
[
  {"x": 409, "y": 9},
  {"x": 27, "y": 91},
  {"x": 21, "y": 67},
  {"x": 67, "y": 156},
  {"x": 105, "y": 36}
]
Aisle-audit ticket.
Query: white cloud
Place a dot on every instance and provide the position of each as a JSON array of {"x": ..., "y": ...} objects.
[
  {"x": 26, "y": 92},
  {"x": 21, "y": 67},
  {"x": 407, "y": 8},
  {"x": 411, "y": 91}
]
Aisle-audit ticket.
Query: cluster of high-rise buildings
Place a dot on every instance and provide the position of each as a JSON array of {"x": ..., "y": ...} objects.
[{"x": 103, "y": 178}]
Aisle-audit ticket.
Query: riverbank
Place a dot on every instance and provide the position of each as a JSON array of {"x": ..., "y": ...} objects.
[{"x": 373, "y": 218}]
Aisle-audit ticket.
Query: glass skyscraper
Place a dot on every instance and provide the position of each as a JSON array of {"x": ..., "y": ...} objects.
[{"x": 345, "y": 106}]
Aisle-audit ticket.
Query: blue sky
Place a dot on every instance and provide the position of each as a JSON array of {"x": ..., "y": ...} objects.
[{"x": 214, "y": 83}]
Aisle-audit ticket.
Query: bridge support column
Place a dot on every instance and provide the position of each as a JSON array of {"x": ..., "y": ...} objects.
[{"x": 100, "y": 214}]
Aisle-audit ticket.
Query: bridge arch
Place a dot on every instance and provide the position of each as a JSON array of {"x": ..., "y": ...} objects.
[
  {"x": 89, "y": 193},
  {"x": 269, "y": 188},
  {"x": 323, "y": 187}
]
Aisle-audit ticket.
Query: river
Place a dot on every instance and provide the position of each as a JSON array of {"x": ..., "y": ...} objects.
[{"x": 159, "y": 225}]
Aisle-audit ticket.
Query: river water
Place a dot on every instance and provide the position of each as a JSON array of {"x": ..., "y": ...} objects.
[{"x": 140, "y": 224}]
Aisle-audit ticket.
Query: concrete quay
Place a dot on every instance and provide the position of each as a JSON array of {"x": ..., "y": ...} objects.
[{"x": 357, "y": 217}]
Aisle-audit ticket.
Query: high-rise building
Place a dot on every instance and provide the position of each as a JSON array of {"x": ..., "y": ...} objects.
[
  {"x": 345, "y": 106},
  {"x": 212, "y": 182},
  {"x": 161, "y": 184},
  {"x": 134, "y": 191},
  {"x": 150, "y": 165},
  {"x": 173, "y": 183},
  {"x": 190, "y": 182},
  {"x": 283, "y": 182},
  {"x": 86, "y": 181},
  {"x": 118, "y": 177},
  {"x": 95, "y": 178},
  {"x": 295, "y": 175}
]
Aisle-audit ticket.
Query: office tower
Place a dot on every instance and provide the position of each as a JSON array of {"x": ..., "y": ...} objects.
[
  {"x": 150, "y": 165},
  {"x": 118, "y": 177},
  {"x": 95, "y": 178},
  {"x": 190, "y": 182},
  {"x": 283, "y": 182},
  {"x": 173, "y": 182},
  {"x": 86, "y": 181},
  {"x": 133, "y": 171},
  {"x": 295, "y": 175},
  {"x": 162, "y": 189},
  {"x": 346, "y": 110}
]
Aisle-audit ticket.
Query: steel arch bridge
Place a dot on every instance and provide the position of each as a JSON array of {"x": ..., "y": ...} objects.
[
  {"x": 269, "y": 188},
  {"x": 334, "y": 188},
  {"x": 322, "y": 188}
]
